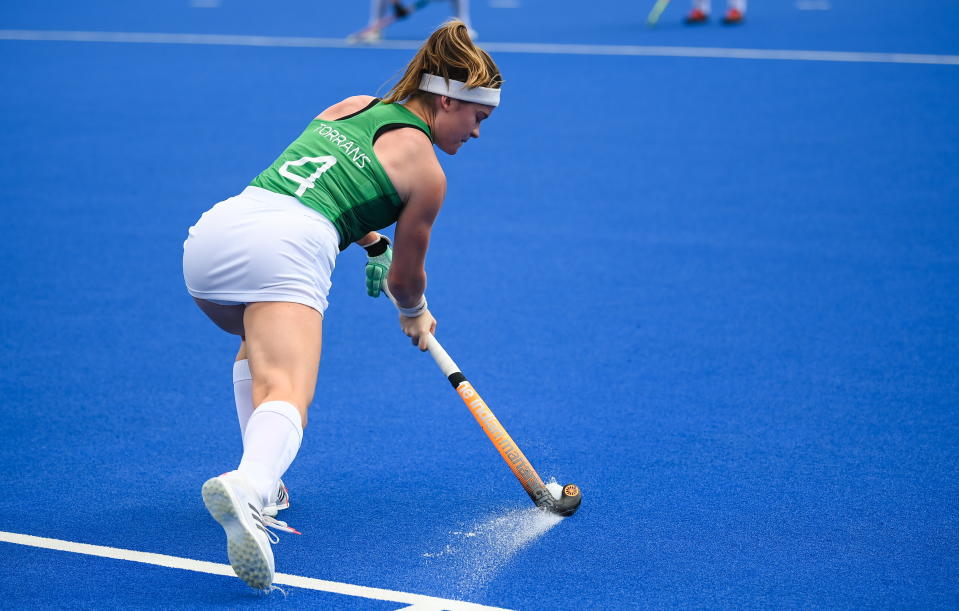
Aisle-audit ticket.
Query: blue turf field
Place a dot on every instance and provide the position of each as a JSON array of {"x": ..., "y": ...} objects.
[{"x": 718, "y": 294}]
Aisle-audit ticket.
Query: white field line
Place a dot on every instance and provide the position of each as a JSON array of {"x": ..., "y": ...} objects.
[
  {"x": 813, "y": 5},
  {"x": 499, "y": 47},
  {"x": 418, "y": 601}
]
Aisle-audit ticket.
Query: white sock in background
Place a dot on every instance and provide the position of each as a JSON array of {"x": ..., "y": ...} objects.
[
  {"x": 243, "y": 393},
  {"x": 272, "y": 439},
  {"x": 377, "y": 10},
  {"x": 702, "y": 5},
  {"x": 462, "y": 9},
  {"x": 739, "y": 5}
]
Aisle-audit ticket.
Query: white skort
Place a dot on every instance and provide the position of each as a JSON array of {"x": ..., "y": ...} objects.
[{"x": 261, "y": 246}]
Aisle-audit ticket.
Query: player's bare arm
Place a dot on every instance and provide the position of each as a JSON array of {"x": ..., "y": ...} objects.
[{"x": 408, "y": 158}]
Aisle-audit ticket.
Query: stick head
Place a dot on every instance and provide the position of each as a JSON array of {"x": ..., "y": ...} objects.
[{"x": 567, "y": 504}]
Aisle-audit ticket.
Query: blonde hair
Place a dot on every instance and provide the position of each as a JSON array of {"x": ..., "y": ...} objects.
[{"x": 449, "y": 52}]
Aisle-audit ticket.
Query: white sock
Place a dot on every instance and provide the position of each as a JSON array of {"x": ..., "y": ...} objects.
[
  {"x": 272, "y": 439},
  {"x": 702, "y": 5},
  {"x": 739, "y": 5},
  {"x": 462, "y": 8},
  {"x": 377, "y": 10},
  {"x": 243, "y": 393}
]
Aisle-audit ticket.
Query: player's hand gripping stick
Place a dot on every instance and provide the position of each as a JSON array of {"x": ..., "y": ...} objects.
[{"x": 570, "y": 498}]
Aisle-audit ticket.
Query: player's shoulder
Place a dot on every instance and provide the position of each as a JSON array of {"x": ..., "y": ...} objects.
[
  {"x": 409, "y": 159},
  {"x": 354, "y": 103},
  {"x": 412, "y": 145}
]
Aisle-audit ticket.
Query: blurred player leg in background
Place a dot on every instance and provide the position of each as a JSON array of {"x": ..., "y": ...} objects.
[
  {"x": 735, "y": 12},
  {"x": 699, "y": 14},
  {"x": 377, "y": 12},
  {"x": 380, "y": 8},
  {"x": 462, "y": 8}
]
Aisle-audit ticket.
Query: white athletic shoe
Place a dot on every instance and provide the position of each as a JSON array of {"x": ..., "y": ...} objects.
[
  {"x": 237, "y": 507},
  {"x": 370, "y": 38},
  {"x": 279, "y": 502}
]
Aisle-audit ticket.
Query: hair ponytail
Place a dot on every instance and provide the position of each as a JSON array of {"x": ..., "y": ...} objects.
[{"x": 449, "y": 52}]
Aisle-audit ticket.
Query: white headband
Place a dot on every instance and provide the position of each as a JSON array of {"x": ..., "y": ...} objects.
[{"x": 459, "y": 91}]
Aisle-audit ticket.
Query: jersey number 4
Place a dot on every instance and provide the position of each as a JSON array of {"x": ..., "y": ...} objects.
[{"x": 325, "y": 162}]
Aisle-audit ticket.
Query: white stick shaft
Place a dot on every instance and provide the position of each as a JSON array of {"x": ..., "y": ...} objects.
[
  {"x": 443, "y": 360},
  {"x": 515, "y": 460}
]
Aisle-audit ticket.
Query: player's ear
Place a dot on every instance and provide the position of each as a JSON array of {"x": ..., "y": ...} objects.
[{"x": 447, "y": 103}]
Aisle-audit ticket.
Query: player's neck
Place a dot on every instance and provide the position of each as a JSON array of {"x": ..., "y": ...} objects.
[{"x": 421, "y": 110}]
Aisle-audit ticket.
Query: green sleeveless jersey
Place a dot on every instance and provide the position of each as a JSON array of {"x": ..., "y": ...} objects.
[{"x": 332, "y": 169}]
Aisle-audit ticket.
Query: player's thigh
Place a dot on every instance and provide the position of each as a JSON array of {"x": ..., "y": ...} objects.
[{"x": 283, "y": 345}]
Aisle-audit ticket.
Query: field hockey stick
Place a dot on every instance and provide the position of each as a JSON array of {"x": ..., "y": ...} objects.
[
  {"x": 400, "y": 12},
  {"x": 570, "y": 497},
  {"x": 654, "y": 14}
]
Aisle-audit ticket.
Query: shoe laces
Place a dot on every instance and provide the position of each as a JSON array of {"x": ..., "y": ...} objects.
[
  {"x": 265, "y": 523},
  {"x": 271, "y": 522}
]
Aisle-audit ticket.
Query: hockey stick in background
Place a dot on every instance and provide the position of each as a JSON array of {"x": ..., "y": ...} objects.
[
  {"x": 400, "y": 12},
  {"x": 657, "y": 11},
  {"x": 570, "y": 497}
]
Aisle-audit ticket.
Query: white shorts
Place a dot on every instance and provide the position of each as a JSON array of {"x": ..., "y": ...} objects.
[{"x": 261, "y": 246}]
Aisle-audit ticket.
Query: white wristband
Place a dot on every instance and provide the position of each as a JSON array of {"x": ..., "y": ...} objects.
[{"x": 415, "y": 311}]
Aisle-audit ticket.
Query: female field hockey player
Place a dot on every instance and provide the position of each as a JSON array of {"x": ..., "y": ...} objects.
[{"x": 259, "y": 264}]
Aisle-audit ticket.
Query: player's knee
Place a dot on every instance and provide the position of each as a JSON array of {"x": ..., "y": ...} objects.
[{"x": 278, "y": 388}]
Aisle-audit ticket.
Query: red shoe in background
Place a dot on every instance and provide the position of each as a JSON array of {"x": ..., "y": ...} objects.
[
  {"x": 733, "y": 17},
  {"x": 695, "y": 17}
]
